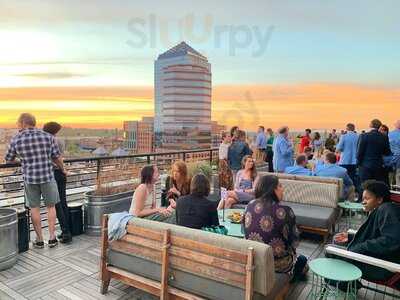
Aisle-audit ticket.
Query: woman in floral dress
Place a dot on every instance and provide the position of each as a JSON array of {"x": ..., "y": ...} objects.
[{"x": 267, "y": 221}]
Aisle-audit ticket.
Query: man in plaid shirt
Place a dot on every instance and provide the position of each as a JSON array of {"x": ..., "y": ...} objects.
[{"x": 37, "y": 150}]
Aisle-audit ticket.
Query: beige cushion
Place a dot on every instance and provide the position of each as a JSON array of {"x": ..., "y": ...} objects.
[
  {"x": 312, "y": 193},
  {"x": 264, "y": 274}
]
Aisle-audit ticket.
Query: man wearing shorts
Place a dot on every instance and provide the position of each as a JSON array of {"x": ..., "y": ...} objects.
[{"x": 37, "y": 150}]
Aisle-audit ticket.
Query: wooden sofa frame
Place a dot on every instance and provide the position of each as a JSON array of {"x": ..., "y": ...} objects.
[{"x": 231, "y": 267}]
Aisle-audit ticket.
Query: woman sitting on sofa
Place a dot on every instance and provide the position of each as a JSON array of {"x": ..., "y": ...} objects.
[
  {"x": 245, "y": 181},
  {"x": 178, "y": 183},
  {"x": 195, "y": 210},
  {"x": 143, "y": 201},
  {"x": 267, "y": 221}
]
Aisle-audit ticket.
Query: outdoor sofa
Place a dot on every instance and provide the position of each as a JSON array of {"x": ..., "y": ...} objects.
[
  {"x": 314, "y": 201},
  {"x": 176, "y": 262}
]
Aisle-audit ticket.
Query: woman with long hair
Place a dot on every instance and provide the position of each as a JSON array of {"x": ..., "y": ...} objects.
[
  {"x": 144, "y": 202},
  {"x": 267, "y": 221},
  {"x": 178, "y": 183},
  {"x": 245, "y": 181}
]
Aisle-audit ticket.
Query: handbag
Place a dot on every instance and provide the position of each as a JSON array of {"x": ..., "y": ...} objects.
[{"x": 216, "y": 229}]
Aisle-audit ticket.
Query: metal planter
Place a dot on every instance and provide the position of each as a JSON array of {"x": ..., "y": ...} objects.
[
  {"x": 95, "y": 207},
  {"x": 8, "y": 237}
]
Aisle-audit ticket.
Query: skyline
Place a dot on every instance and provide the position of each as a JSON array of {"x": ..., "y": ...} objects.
[{"x": 292, "y": 61}]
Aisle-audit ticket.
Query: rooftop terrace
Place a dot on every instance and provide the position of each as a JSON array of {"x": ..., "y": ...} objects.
[{"x": 72, "y": 271}]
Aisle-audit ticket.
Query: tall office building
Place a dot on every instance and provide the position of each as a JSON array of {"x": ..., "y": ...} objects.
[{"x": 182, "y": 99}]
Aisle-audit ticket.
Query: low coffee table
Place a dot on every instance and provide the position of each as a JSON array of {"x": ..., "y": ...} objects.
[
  {"x": 328, "y": 274},
  {"x": 351, "y": 207},
  {"x": 234, "y": 229}
]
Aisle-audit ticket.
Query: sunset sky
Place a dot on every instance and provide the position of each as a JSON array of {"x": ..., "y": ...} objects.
[{"x": 304, "y": 63}]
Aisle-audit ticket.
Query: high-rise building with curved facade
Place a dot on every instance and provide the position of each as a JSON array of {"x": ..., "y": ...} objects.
[{"x": 182, "y": 99}]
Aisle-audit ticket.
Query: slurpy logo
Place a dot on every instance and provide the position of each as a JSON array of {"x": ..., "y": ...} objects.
[{"x": 154, "y": 32}]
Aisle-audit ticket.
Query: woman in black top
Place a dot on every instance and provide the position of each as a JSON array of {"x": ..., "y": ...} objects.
[{"x": 195, "y": 210}]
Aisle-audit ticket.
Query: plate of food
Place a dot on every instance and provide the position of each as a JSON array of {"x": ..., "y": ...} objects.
[{"x": 235, "y": 217}]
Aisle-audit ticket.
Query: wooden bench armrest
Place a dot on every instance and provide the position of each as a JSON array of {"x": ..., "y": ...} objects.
[{"x": 392, "y": 267}]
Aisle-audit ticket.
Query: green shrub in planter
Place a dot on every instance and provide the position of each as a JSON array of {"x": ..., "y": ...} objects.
[{"x": 200, "y": 167}]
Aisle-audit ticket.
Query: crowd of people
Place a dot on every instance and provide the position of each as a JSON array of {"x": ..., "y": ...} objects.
[{"x": 363, "y": 161}]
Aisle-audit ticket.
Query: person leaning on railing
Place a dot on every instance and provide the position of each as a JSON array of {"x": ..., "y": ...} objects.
[
  {"x": 144, "y": 202},
  {"x": 37, "y": 150},
  {"x": 62, "y": 210}
]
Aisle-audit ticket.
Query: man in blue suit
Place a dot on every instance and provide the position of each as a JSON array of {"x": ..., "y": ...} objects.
[
  {"x": 347, "y": 147},
  {"x": 283, "y": 150},
  {"x": 331, "y": 169},
  {"x": 300, "y": 167}
]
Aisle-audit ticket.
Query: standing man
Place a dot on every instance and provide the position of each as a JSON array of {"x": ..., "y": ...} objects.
[
  {"x": 37, "y": 150},
  {"x": 261, "y": 143},
  {"x": 305, "y": 140},
  {"x": 372, "y": 146},
  {"x": 62, "y": 211},
  {"x": 270, "y": 152},
  {"x": 394, "y": 140},
  {"x": 236, "y": 151},
  {"x": 334, "y": 136},
  {"x": 347, "y": 147},
  {"x": 283, "y": 150}
]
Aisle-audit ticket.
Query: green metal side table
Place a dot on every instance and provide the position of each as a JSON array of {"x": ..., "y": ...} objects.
[
  {"x": 351, "y": 207},
  {"x": 234, "y": 229},
  {"x": 328, "y": 274}
]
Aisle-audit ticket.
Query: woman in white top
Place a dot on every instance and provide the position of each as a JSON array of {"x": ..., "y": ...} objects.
[
  {"x": 225, "y": 173},
  {"x": 143, "y": 201}
]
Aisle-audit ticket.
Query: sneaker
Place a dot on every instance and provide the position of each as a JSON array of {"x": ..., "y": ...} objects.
[
  {"x": 52, "y": 243},
  {"x": 38, "y": 244}
]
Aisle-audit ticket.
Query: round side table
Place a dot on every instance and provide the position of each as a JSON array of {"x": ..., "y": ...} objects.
[
  {"x": 328, "y": 274},
  {"x": 351, "y": 207}
]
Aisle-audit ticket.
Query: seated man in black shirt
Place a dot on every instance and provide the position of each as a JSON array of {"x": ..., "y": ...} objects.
[
  {"x": 379, "y": 236},
  {"x": 195, "y": 210}
]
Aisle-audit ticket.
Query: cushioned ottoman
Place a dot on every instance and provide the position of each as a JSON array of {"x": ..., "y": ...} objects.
[{"x": 313, "y": 216}]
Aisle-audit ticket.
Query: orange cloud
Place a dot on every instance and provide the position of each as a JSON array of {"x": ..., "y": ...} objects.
[{"x": 298, "y": 106}]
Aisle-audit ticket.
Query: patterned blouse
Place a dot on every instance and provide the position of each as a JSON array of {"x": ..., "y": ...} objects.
[{"x": 273, "y": 224}]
